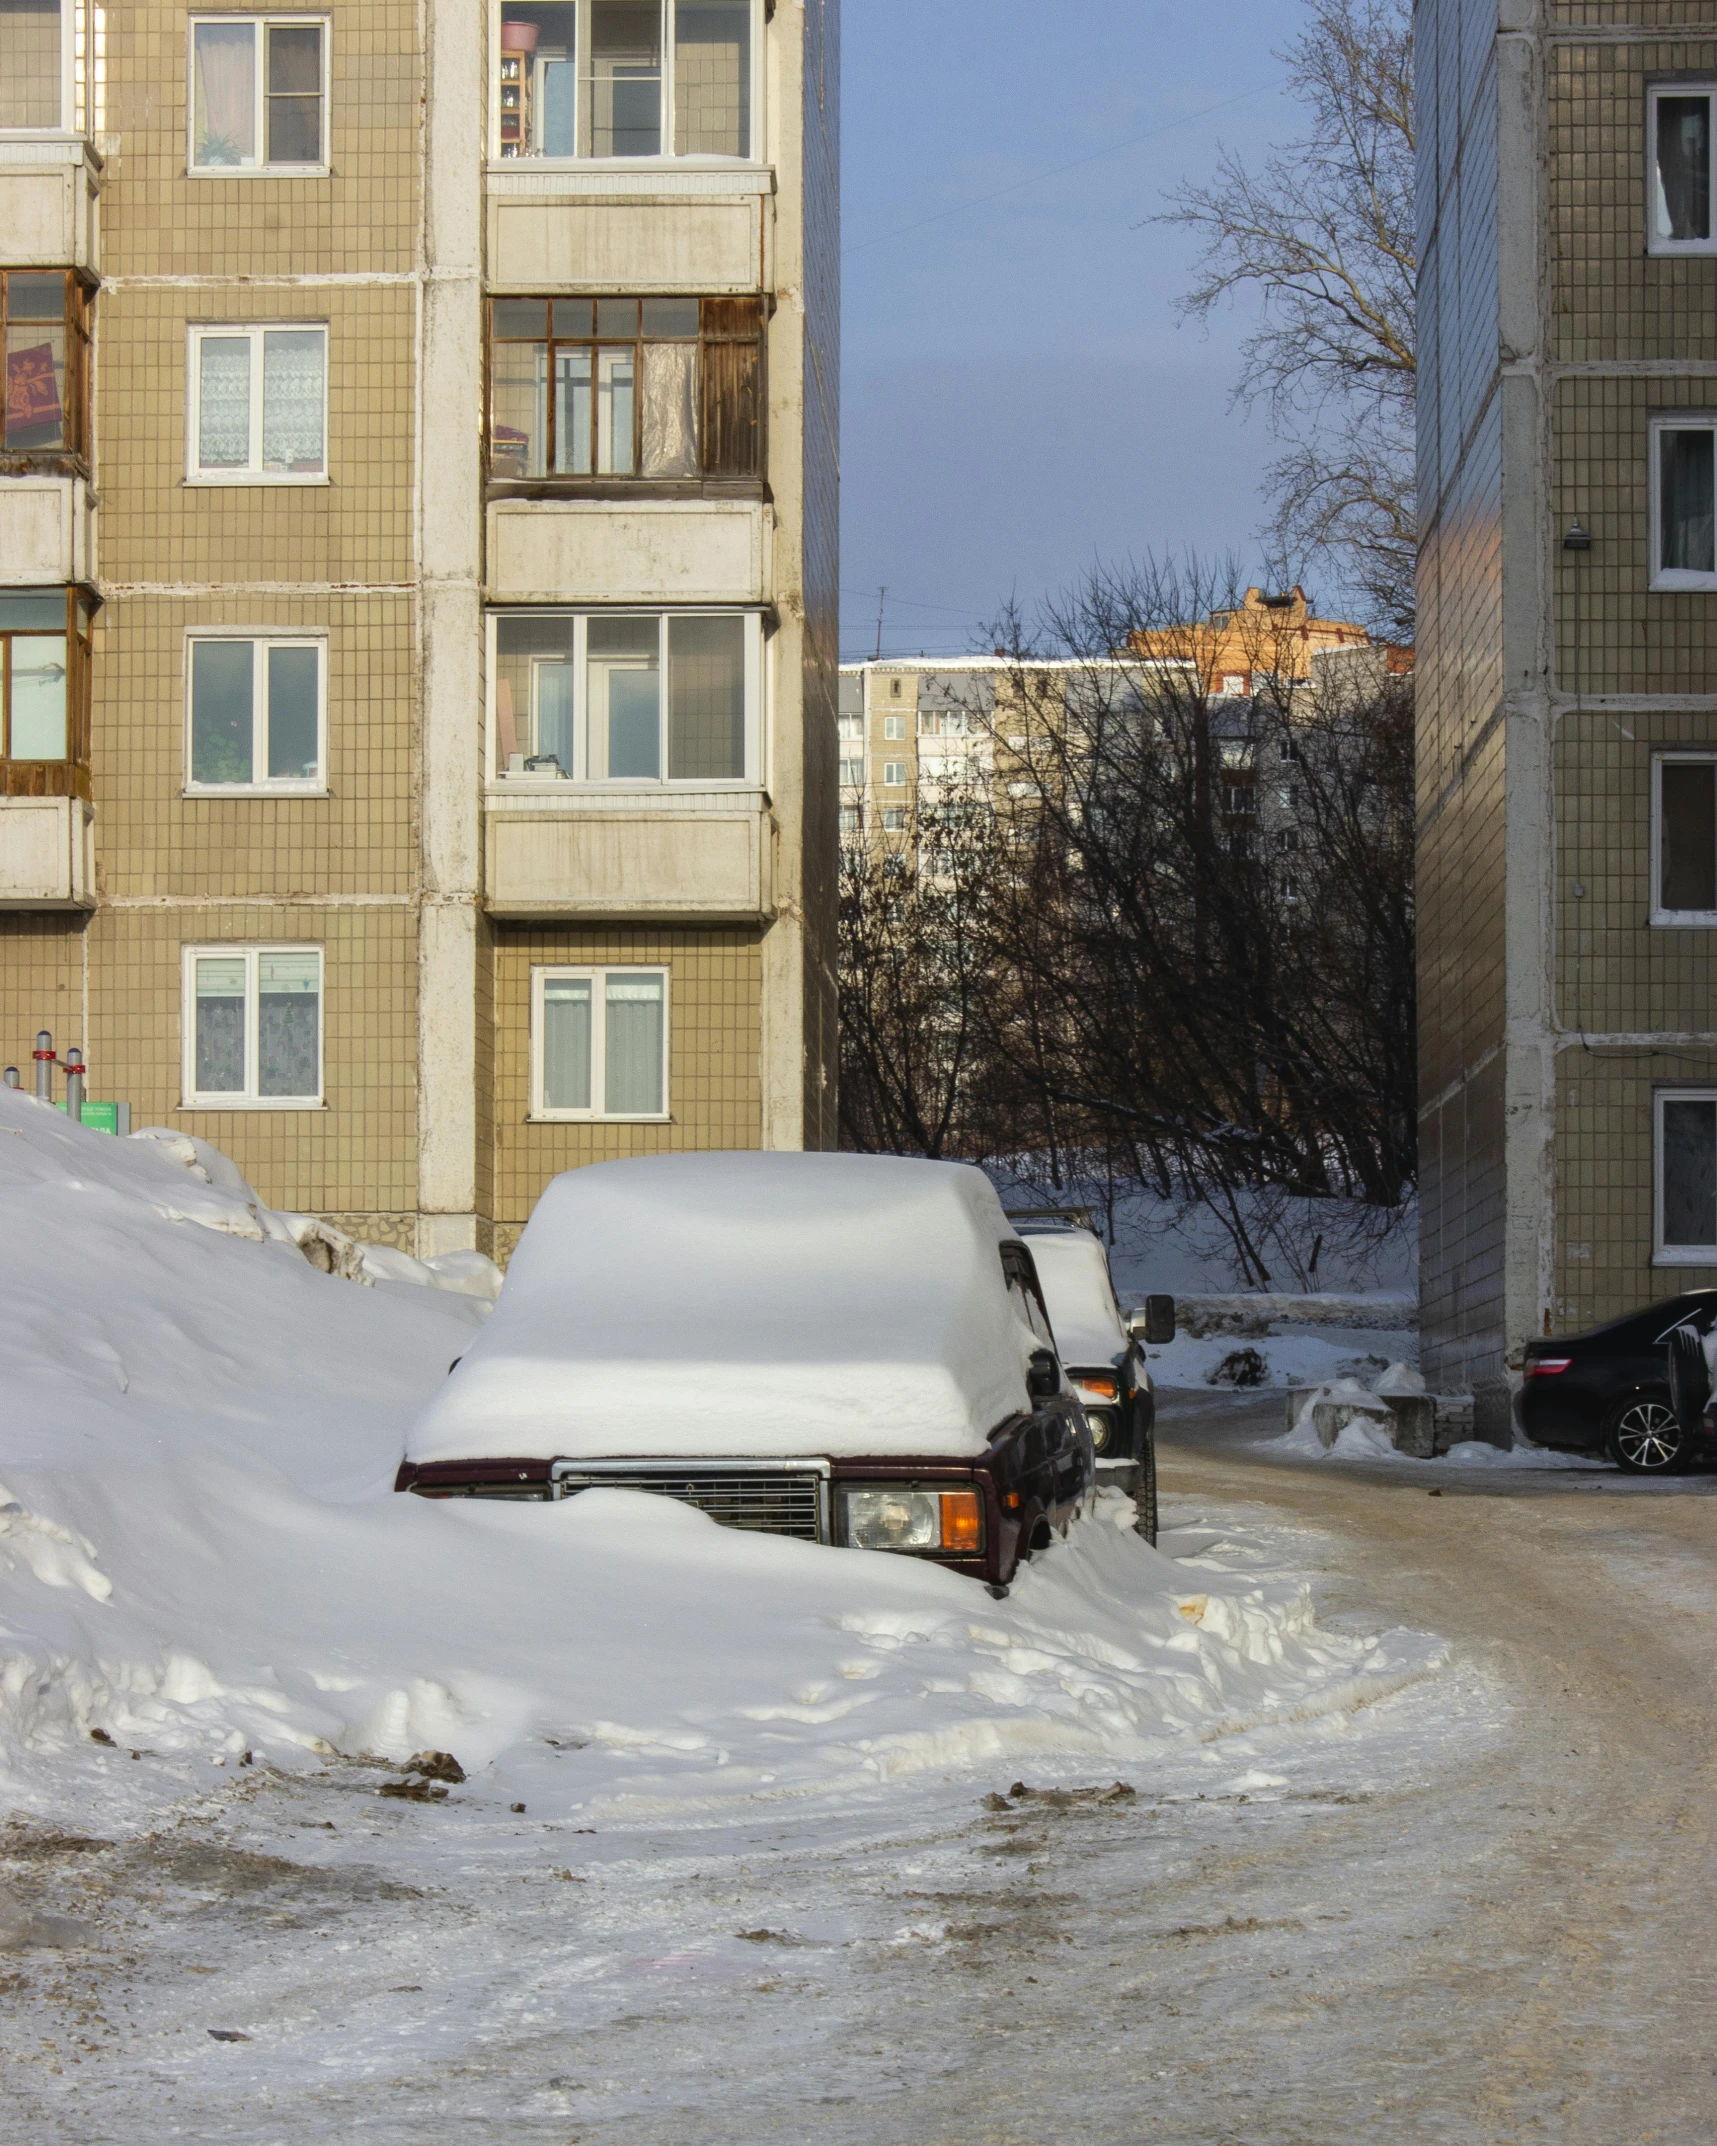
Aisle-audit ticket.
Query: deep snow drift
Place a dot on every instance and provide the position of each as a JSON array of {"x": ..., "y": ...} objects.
[{"x": 201, "y": 1555}]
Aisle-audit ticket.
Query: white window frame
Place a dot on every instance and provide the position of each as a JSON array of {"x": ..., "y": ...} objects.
[
  {"x": 1678, "y": 919},
  {"x": 894, "y": 819},
  {"x": 195, "y": 474},
  {"x": 894, "y": 774},
  {"x": 581, "y": 76},
  {"x": 76, "y": 57},
  {"x": 581, "y": 782},
  {"x": 1654, "y": 243},
  {"x": 1662, "y": 421},
  {"x": 226, "y": 950},
  {"x": 597, "y": 976},
  {"x": 894, "y": 729},
  {"x": 260, "y": 639},
  {"x": 1676, "y": 1255},
  {"x": 323, "y": 166}
]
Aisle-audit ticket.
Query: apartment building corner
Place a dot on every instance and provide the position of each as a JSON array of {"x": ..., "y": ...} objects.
[{"x": 418, "y": 574}]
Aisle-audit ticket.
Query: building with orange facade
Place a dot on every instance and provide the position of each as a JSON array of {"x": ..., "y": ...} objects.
[{"x": 1262, "y": 637}]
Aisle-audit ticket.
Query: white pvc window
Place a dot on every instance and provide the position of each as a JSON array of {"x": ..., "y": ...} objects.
[
  {"x": 894, "y": 774},
  {"x": 256, "y": 713},
  {"x": 41, "y": 51},
  {"x": 624, "y": 79},
  {"x": 1686, "y": 1177},
  {"x": 258, "y": 405},
  {"x": 253, "y": 1027},
  {"x": 1679, "y": 156},
  {"x": 259, "y": 95},
  {"x": 1684, "y": 502},
  {"x": 641, "y": 698},
  {"x": 599, "y": 1043}
]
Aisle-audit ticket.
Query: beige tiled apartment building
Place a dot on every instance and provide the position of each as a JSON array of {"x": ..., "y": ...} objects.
[
  {"x": 418, "y": 583},
  {"x": 912, "y": 728},
  {"x": 1567, "y": 703}
]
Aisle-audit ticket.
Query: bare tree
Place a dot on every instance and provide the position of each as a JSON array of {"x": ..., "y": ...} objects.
[
  {"x": 916, "y": 974},
  {"x": 1324, "y": 231},
  {"x": 1162, "y": 934},
  {"x": 1229, "y": 989}
]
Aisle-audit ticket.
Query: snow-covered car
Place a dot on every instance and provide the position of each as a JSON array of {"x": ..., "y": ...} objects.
[
  {"x": 850, "y": 1349},
  {"x": 1099, "y": 1353}
]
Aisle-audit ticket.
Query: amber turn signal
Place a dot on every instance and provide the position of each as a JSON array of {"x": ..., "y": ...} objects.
[
  {"x": 1104, "y": 1386},
  {"x": 961, "y": 1527}
]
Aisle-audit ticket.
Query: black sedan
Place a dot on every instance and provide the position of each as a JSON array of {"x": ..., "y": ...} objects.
[{"x": 1608, "y": 1390}]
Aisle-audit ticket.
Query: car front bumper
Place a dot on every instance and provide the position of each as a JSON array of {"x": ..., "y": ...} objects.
[{"x": 797, "y": 1498}]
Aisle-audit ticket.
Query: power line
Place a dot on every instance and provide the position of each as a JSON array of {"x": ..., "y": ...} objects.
[
  {"x": 915, "y": 603},
  {"x": 1042, "y": 178}
]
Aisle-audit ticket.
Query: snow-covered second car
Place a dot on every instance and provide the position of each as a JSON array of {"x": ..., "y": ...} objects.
[
  {"x": 1100, "y": 1351},
  {"x": 849, "y": 1349}
]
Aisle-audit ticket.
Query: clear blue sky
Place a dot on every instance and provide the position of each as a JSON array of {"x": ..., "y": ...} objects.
[{"x": 1018, "y": 395}]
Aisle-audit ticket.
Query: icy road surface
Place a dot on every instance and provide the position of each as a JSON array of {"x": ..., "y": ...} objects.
[{"x": 1477, "y": 1910}]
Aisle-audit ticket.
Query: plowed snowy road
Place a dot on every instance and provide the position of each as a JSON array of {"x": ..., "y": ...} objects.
[{"x": 1479, "y": 1911}]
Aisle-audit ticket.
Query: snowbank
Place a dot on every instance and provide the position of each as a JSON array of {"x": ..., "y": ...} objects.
[
  {"x": 1294, "y": 1354},
  {"x": 233, "y": 1207},
  {"x": 200, "y": 1557},
  {"x": 1362, "y": 1439},
  {"x": 754, "y": 1304}
]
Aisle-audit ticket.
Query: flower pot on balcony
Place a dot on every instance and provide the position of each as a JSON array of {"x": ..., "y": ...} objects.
[{"x": 519, "y": 36}]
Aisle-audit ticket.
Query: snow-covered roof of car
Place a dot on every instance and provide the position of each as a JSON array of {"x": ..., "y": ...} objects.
[
  {"x": 1074, "y": 1271},
  {"x": 755, "y": 1304}
]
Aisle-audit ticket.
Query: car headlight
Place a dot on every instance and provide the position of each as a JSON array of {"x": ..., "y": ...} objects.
[
  {"x": 1102, "y": 1422},
  {"x": 889, "y": 1519}
]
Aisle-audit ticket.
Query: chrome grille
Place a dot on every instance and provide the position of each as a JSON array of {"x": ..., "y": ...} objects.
[{"x": 763, "y": 1501}]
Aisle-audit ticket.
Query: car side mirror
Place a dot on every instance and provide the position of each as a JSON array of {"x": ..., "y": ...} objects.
[
  {"x": 1043, "y": 1379},
  {"x": 1155, "y": 1325}
]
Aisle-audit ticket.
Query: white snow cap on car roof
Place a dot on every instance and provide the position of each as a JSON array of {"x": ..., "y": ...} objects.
[
  {"x": 1074, "y": 1270},
  {"x": 745, "y": 1304}
]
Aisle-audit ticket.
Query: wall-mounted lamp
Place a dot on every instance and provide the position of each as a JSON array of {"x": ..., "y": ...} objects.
[{"x": 1577, "y": 538}]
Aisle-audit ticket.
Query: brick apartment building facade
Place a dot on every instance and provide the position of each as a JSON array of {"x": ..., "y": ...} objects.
[{"x": 418, "y": 584}]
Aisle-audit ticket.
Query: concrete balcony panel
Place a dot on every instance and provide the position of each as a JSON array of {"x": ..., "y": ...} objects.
[
  {"x": 48, "y": 188},
  {"x": 602, "y": 231},
  {"x": 47, "y": 856},
  {"x": 705, "y": 867},
  {"x": 602, "y": 551},
  {"x": 47, "y": 531}
]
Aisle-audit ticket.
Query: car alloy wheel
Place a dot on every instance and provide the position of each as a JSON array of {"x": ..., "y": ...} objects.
[{"x": 1645, "y": 1438}]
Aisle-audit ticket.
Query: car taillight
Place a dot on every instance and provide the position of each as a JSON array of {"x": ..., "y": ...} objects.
[{"x": 1545, "y": 1367}]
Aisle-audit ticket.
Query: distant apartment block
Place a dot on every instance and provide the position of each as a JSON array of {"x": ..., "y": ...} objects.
[
  {"x": 927, "y": 731},
  {"x": 1567, "y": 708},
  {"x": 418, "y": 583}
]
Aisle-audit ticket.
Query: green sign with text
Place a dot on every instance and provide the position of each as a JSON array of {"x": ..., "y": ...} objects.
[{"x": 105, "y": 1117}]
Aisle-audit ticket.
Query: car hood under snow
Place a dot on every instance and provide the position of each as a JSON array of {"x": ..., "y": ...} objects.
[{"x": 745, "y": 1304}]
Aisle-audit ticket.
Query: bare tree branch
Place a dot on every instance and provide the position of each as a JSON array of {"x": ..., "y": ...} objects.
[{"x": 1324, "y": 233}]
